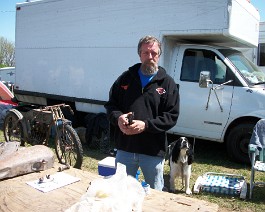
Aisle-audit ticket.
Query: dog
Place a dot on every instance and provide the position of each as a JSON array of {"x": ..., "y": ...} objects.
[{"x": 180, "y": 159}]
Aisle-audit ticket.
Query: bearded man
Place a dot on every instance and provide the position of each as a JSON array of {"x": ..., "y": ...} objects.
[{"x": 148, "y": 93}]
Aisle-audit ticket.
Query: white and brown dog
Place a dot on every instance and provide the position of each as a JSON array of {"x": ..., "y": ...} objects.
[{"x": 180, "y": 158}]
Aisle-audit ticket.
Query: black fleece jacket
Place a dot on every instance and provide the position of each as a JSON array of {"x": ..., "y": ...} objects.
[{"x": 157, "y": 104}]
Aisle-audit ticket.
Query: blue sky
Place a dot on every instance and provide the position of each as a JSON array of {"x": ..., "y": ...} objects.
[{"x": 8, "y": 14}]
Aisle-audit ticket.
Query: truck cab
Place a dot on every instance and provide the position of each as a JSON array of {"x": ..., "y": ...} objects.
[{"x": 221, "y": 95}]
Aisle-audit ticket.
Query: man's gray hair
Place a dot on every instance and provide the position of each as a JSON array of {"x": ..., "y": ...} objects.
[{"x": 149, "y": 39}]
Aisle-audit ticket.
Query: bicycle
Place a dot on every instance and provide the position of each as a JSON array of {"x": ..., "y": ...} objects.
[{"x": 29, "y": 124}]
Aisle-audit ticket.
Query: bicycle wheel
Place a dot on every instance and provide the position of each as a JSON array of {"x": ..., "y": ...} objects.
[
  {"x": 13, "y": 130},
  {"x": 68, "y": 146}
]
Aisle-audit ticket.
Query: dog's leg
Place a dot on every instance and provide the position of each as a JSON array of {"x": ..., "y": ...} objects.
[
  {"x": 172, "y": 183},
  {"x": 187, "y": 175},
  {"x": 173, "y": 175}
]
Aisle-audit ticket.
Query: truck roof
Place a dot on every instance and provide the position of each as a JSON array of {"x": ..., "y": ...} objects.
[{"x": 49, "y": 23}]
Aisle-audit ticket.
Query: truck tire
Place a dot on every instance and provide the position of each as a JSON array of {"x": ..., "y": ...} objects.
[
  {"x": 13, "y": 130},
  {"x": 68, "y": 146},
  {"x": 237, "y": 142}
]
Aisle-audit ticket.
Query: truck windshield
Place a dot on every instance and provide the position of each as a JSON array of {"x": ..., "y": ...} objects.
[{"x": 248, "y": 70}]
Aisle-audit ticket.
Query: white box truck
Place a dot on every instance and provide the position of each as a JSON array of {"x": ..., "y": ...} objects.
[{"x": 72, "y": 51}]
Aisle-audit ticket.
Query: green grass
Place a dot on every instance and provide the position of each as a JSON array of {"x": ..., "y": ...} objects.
[{"x": 209, "y": 157}]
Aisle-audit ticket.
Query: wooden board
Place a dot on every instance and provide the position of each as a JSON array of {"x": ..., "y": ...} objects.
[{"x": 16, "y": 195}]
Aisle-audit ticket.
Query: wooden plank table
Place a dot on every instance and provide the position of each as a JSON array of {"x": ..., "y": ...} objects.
[{"x": 16, "y": 195}]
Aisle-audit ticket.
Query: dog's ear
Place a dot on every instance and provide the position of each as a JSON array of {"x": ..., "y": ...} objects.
[
  {"x": 169, "y": 150},
  {"x": 190, "y": 156},
  {"x": 176, "y": 151},
  {"x": 171, "y": 145}
]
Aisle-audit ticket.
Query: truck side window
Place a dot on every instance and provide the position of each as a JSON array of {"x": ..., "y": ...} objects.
[
  {"x": 221, "y": 72},
  {"x": 197, "y": 60},
  {"x": 188, "y": 66}
]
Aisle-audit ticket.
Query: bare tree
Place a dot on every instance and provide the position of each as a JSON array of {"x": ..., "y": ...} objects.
[{"x": 7, "y": 52}]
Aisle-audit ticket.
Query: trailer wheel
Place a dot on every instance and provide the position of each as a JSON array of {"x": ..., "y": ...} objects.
[
  {"x": 237, "y": 142},
  {"x": 13, "y": 130},
  {"x": 68, "y": 146}
]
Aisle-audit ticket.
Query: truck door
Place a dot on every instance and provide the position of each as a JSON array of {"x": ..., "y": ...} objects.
[{"x": 196, "y": 118}]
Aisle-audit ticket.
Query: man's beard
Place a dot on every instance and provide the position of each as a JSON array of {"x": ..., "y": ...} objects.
[{"x": 149, "y": 68}]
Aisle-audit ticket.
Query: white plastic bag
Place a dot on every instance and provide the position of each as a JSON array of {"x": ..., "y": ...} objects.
[{"x": 117, "y": 193}]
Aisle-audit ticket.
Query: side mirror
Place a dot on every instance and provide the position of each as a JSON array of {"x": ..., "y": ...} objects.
[{"x": 204, "y": 79}]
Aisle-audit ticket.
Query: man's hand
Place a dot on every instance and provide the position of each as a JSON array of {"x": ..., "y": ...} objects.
[
  {"x": 123, "y": 122},
  {"x": 136, "y": 127}
]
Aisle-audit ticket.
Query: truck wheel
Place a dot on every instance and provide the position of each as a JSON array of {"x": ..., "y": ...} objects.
[
  {"x": 238, "y": 140},
  {"x": 13, "y": 130},
  {"x": 68, "y": 146}
]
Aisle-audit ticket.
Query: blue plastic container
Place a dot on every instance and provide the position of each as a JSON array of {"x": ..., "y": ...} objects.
[{"x": 106, "y": 167}]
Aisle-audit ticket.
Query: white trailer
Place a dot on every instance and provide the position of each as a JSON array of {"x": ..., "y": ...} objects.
[{"x": 72, "y": 51}]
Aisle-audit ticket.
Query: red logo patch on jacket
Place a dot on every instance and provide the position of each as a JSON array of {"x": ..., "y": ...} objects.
[
  {"x": 124, "y": 87},
  {"x": 160, "y": 91}
]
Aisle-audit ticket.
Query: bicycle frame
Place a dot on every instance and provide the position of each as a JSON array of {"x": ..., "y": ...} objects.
[
  {"x": 33, "y": 125},
  {"x": 37, "y": 123}
]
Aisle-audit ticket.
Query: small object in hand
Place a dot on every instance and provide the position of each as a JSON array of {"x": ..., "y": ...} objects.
[
  {"x": 64, "y": 167},
  {"x": 130, "y": 118}
]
